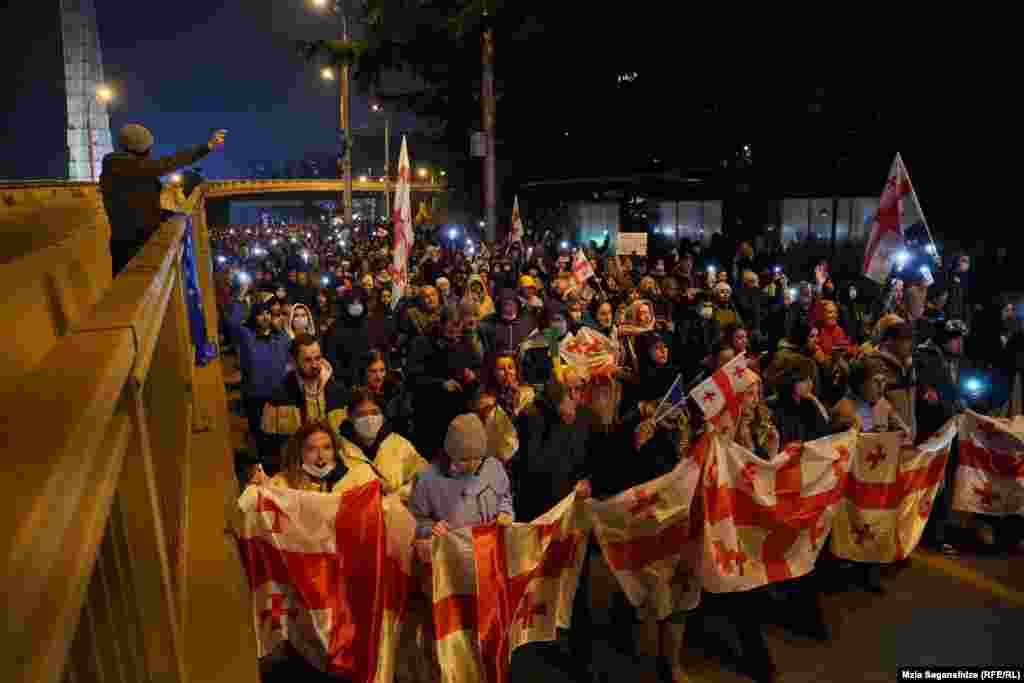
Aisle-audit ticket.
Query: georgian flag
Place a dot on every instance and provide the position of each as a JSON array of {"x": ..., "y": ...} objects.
[
  {"x": 766, "y": 520},
  {"x": 990, "y": 475},
  {"x": 651, "y": 541},
  {"x": 887, "y": 227},
  {"x": 725, "y": 389},
  {"x": 888, "y": 495},
  {"x": 581, "y": 268},
  {"x": 330, "y": 574},
  {"x": 404, "y": 235},
  {"x": 517, "y": 224}
]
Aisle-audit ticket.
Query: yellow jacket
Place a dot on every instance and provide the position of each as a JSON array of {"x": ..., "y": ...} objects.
[{"x": 396, "y": 466}]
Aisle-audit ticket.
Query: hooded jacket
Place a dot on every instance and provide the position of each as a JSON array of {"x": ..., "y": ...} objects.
[
  {"x": 901, "y": 389},
  {"x": 487, "y": 304},
  {"x": 288, "y": 409},
  {"x": 263, "y": 358},
  {"x": 349, "y": 341},
  {"x": 502, "y": 336}
]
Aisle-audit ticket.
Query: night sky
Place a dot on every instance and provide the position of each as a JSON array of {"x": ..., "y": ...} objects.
[{"x": 201, "y": 65}]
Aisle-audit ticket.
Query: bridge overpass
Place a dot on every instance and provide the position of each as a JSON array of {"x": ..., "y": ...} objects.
[{"x": 115, "y": 556}]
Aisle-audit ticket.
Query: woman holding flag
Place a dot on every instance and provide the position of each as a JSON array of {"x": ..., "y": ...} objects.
[{"x": 655, "y": 435}]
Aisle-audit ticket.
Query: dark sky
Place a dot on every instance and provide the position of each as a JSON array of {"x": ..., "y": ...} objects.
[{"x": 196, "y": 66}]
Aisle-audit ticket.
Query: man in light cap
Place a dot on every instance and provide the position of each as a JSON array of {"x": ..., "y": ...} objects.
[
  {"x": 131, "y": 188},
  {"x": 463, "y": 487}
]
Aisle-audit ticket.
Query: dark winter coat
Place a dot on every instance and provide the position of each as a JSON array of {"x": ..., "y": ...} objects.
[
  {"x": 552, "y": 457},
  {"x": 130, "y": 185}
]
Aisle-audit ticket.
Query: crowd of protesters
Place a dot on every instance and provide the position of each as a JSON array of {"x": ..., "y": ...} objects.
[{"x": 459, "y": 386}]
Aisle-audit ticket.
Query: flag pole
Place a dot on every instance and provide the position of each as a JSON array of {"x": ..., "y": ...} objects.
[{"x": 920, "y": 210}]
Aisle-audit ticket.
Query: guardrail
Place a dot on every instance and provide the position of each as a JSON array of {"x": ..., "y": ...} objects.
[{"x": 117, "y": 562}]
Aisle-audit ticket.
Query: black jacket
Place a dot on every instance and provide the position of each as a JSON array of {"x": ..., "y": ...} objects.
[
  {"x": 551, "y": 459},
  {"x": 347, "y": 345},
  {"x": 130, "y": 185},
  {"x": 798, "y": 421}
]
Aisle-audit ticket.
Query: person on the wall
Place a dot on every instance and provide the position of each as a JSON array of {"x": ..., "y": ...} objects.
[{"x": 131, "y": 188}]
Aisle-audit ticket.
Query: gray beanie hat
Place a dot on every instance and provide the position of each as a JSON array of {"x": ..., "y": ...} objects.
[
  {"x": 136, "y": 138},
  {"x": 466, "y": 439}
]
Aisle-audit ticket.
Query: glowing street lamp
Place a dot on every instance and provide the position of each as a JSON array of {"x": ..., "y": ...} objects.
[
  {"x": 422, "y": 173},
  {"x": 104, "y": 93},
  {"x": 363, "y": 179},
  {"x": 327, "y": 73}
]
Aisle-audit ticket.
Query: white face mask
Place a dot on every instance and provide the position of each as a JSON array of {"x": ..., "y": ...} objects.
[
  {"x": 355, "y": 310},
  {"x": 368, "y": 426},
  {"x": 317, "y": 472},
  {"x": 300, "y": 322}
]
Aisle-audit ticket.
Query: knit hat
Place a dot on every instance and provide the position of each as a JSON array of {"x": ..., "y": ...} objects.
[
  {"x": 466, "y": 438},
  {"x": 136, "y": 138}
]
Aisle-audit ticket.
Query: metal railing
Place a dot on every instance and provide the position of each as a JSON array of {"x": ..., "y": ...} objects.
[{"x": 117, "y": 561}]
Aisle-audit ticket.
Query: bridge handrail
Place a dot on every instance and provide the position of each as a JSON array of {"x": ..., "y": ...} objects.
[{"x": 95, "y": 558}]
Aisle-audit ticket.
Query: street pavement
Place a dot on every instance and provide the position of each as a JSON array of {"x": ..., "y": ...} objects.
[{"x": 937, "y": 611}]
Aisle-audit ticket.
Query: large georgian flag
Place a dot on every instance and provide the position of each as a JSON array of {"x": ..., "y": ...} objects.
[
  {"x": 455, "y": 607},
  {"x": 404, "y": 235},
  {"x": 526, "y": 576},
  {"x": 725, "y": 389},
  {"x": 990, "y": 476},
  {"x": 651, "y": 542},
  {"x": 888, "y": 495},
  {"x": 767, "y": 520},
  {"x": 330, "y": 574},
  {"x": 887, "y": 227}
]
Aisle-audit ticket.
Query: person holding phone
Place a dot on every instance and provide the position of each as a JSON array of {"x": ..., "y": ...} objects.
[{"x": 131, "y": 188}]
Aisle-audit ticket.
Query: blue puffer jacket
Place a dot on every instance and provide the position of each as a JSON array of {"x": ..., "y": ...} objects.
[{"x": 263, "y": 359}]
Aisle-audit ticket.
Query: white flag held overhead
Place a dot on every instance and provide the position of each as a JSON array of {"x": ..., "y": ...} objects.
[
  {"x": 890, "y": 222},
  {"x": 517, "y": 224},
  {"x": 403, "y": 228}
]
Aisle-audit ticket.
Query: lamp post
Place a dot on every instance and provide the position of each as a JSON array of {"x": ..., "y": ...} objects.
[
  {"x": 104, "y": 94},
  {"x": 387, "y": 157},
  {"x": 337, "y": 7}
]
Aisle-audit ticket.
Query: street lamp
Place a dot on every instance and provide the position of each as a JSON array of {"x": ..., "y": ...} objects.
[
  {"x": 362, "y": 179},
  {"x": 378, "y": 109},
  {"x": 337, "y": 7},
  {"x": 327, "y": 73}
]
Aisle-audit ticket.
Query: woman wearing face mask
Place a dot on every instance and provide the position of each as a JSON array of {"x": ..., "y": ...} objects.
[
  {"x": 310, "y": 461},
  {"x": 539, "y": 356},
  {"x": 300, "y": 321},
  {"x": 371, "y": 450}
]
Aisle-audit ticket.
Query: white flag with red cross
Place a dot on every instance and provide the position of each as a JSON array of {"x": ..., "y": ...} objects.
[
  {"x": 526, "y": 577},
  {"x": 404, "y": 235},
  {"x": 726, "y": 389},
  {"x": 581, "y": 268},
  {"x": 516, "y": 234},
  {"x": 767, "y": 520},
  {"x": 455, "y": 607},
  {"x": 329, "y": 574},
  {"x": 990, "y": 474},
  {"x": 887, "y": 227},
  {"x": 888, "y": 495},
  {"x": 651, "y": 542}
]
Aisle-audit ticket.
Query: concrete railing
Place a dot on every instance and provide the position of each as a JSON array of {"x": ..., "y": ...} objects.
[{"x": 115, "y": 557}]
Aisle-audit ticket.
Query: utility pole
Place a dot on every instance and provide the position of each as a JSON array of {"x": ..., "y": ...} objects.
[
  {"x": 488, "y": 106},
  {"x": 387, "y": 167},
  {"x": 346, "y": 161}
]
